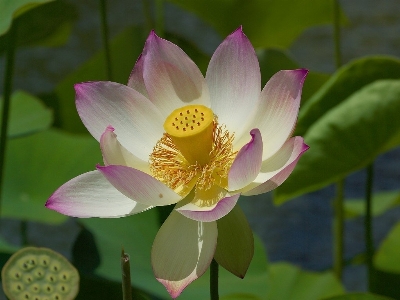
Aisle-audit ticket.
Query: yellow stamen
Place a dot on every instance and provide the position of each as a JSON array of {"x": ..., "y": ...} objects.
[
  {"x": 191, "y": 129},
  {"x": 169, "y": 165}
]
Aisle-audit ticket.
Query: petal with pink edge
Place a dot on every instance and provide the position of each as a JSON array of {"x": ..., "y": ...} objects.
[
  {"x": 172, "y": 79},
  {"x": 278, "y": 109},
  {"x": 277, "y": 168},
  {"x": 219, "y": 210},
  {"x": 92, "y": 195},
  {"x": 136, "y": 80},
  {"x": 116, "y": 154},
  {"x": 234, "y": 80},
  {"x": 137, "y": 122},
  {"x": 247, "y": 163},
  {"x": 235, "y": 244},
  {"x": 139, "y": 186},
  {"x": 182, "y": 251}
]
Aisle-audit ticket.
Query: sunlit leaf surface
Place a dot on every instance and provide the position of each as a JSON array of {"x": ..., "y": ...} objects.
[
  {"x": 347, "y": 80},
  {"x": 387, "y": 258},
  {"x": 347, "y": 138}
]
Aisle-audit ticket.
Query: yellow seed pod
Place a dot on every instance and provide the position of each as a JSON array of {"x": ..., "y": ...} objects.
[{"x": 39, "y": 274}]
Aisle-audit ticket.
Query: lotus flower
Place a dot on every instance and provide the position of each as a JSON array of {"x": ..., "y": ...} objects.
[{"x": 171, "y": 136}]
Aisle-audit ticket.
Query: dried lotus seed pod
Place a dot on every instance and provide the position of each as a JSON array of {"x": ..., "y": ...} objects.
[{"x": 39, "y": 274}]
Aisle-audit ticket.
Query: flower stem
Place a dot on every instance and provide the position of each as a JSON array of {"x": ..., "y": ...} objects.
[
  {"x": 126, "y": 276},
  {"x": 369, "y": 244},
  {"x": 336, "y": 30},
  {"x": 338, "y": 222},
  {"x": 160, "y": 17},
  {"x": 147, "y": 16},
  {"x": 8, "y": 83},
  {"x": 338, "y": 230},
  {"x": 104, "y": 32},
  {"x": 214, "y": 280}
]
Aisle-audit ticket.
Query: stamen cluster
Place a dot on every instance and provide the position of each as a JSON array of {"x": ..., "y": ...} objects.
[{"x": 168, "y": 165}]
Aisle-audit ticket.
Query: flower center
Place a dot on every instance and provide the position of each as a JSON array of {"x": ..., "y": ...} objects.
[
  {"x": 195, "y": 151},
  {"x": 191, "y": 129}
]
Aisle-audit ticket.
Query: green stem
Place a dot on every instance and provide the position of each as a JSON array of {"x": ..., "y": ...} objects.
[
  {"x": 336, "y": 34},
  {"x": 126, "y": 276},
  {"x": 214, "y": 280},
  {"x": 160, "y": 17},
  {"x": 147, "y": 16},
  {"x": 8, "y": 83},
  {"x": 369, "y": 243},
  {"x": 338, "y": 223},
  {"x": 338, "y": 230},
  {"x": 104, "y": 32}
]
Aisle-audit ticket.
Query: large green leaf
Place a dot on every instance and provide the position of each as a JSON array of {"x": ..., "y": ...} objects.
[
  {"x": 37, "y": 165},
  {"x": 274, "y": 60},
  {"x": 347, "y": 138},
  {"x": 47, "y": 25},
  {"x": 136, "y": 234},
  {"x": 358, "y": 296},
  {"x": 273, "y": 23},
  {"x": 291, "y": 283},
  {"x": 387, "y": 258},
  {"x": 347, "y": 80},
  {"x": 13, "y": 8},
  {"x": 381, "y": 202},
  {"x": 27, "y": 114}
]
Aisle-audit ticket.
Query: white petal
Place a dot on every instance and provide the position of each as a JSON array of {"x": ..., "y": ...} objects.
[
  {"x": 247, "y": 163},
  {"x": 91, "y": 195},
  {"x": 137, "y": 122},
  {"x": 283, "y": 161},
  {"x": 278, "y": 109},
  {"x": 233, "y": 77},
  {"x": 172, "y": 79},
  {"x": 139, "y": 186},
  {"x": 116, "y": 154},
  {"x": 182, "y": 251}
]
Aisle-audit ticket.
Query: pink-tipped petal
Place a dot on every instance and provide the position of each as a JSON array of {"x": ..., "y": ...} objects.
[
  {"x": 234, "y": 80},
  {"x": 116, "y": 154},
  {"x": 139, "y": 186},
  {"x": 278, "y": 109},
  {"x": 137, "y": 122},
  {"x": 182, "y": 251},
  {"x": 235, "y": 244},
  {"x": 277, "y": 168},
  {"x": 222, "y": 208},
  {"x": 247, "y": 163},
  {"x": 172, "y": 79},
  {"x": 136, "y": 80},
  {"x": 91, "y": 195}
]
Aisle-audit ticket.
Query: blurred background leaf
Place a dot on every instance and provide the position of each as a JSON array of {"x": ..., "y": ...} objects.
[
  {"x": 37, "y": 165},
  {"x": 381, "y": 202},
  {"x": 27, "y": 115},
  {"x": 359, "y": 296},
  {"x": 271, "y": 23},
  {"x": 291, "y": 283},
  {"x": 47, "y": 25},
  {"x": 13, "y": 8}
]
